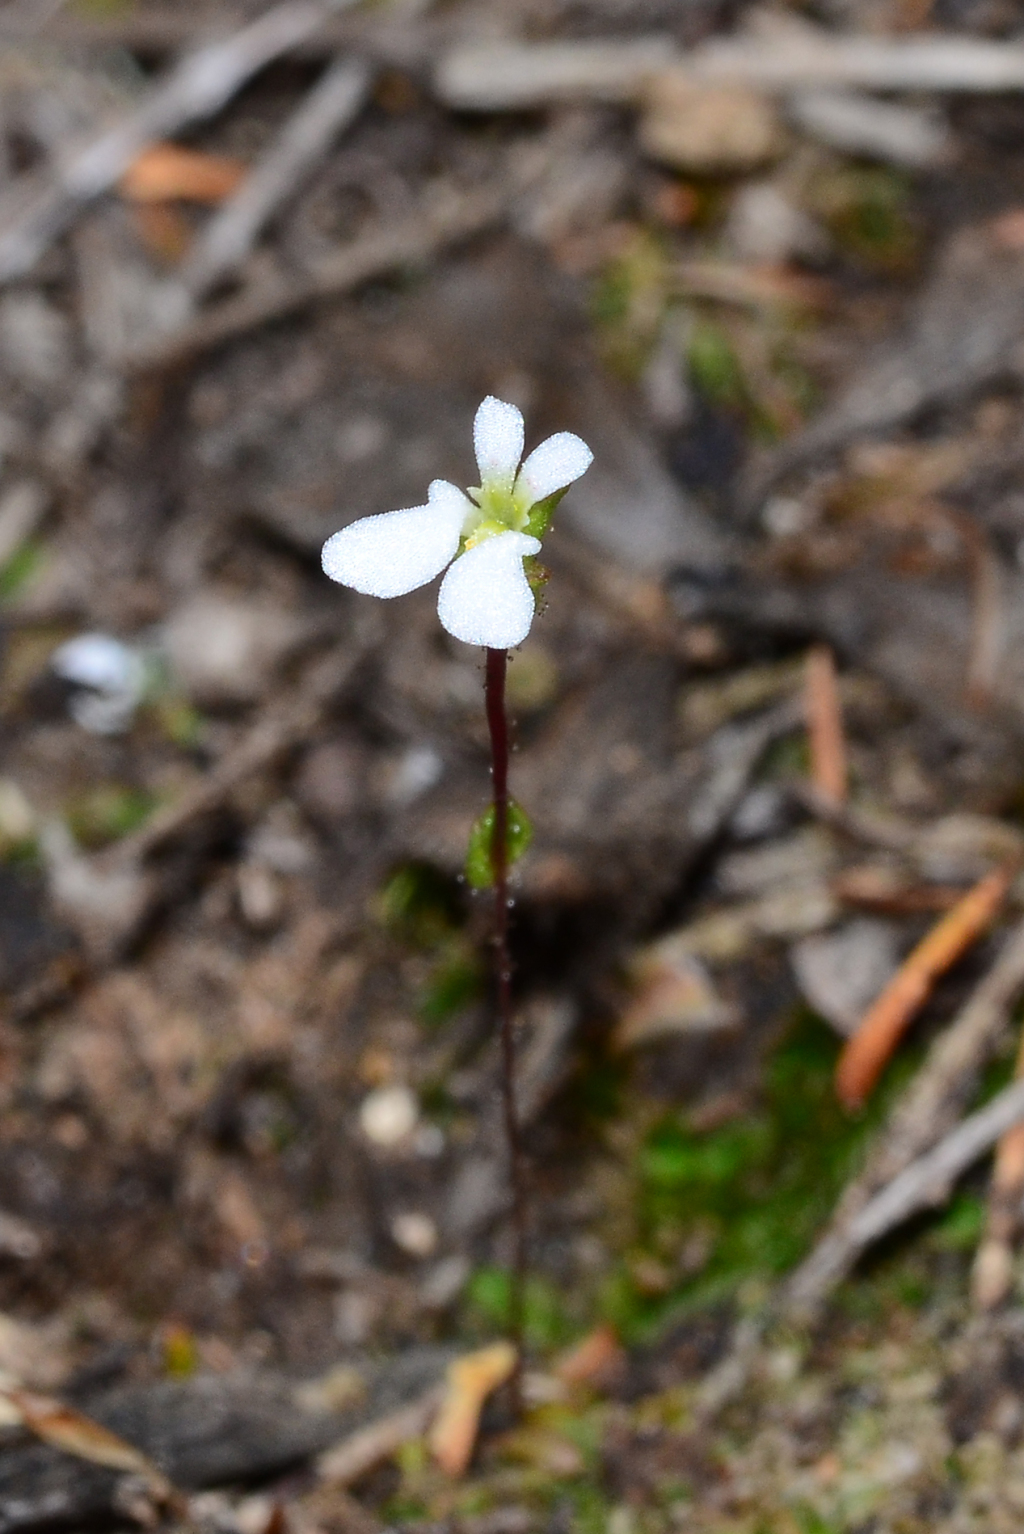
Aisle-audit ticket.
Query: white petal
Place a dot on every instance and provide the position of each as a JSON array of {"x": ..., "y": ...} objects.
[
  {"x": 441, "y": 493},
  {"x": 553, "y": 465},
  {"x": 485, "y": 598},
  {"x": 395, "y": 551},
  {"x": 498, "y": 440}
]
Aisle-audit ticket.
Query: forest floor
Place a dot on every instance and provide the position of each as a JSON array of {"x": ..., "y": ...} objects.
[{"x": 253, "y": 1194}]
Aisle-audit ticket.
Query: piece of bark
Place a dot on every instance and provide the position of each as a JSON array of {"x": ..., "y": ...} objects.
[
  {"x": 209, "y": 1431},
  {"x": 198, "y": 87}
]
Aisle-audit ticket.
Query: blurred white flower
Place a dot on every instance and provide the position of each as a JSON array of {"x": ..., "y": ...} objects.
[
  {"x": 110, "y": 680},
  {"x": 483, "y": 536}
]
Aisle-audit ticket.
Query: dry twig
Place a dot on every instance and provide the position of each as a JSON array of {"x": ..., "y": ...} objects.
[
  {"x": 928, "y": 1180},
  {"x": 925, "y": 1112},
  {"x": 326, "y": 111},
  {"x": 518, "y": 76},
  {"x": 195, "y": 89},
  {"x": 865, "y": 1056},
  {"x": 347, "y": 1462},
  {"x": 447, "y": 218}
]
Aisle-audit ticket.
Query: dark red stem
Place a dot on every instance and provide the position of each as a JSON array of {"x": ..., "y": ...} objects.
[{"x": 497, "y": 723}]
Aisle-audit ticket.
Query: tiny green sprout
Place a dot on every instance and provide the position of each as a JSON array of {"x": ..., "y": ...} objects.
[{"x": 480, "y": 857}]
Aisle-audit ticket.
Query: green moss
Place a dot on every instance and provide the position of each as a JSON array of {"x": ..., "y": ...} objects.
[
  {"x": 867, "y": 209},
  {"x": 106, "y": 813},
  {"x": 757, "y": 1190},
  {"x": 545, "y": 1322},
  {"x": 20, "y": 570},
  {"x": 715, "y": 368},
  {"x": 455, "y": 982},
  {"x": 420, "y": 905}
]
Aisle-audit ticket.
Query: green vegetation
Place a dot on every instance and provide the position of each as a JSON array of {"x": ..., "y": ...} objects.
[
  {"x": 479, "y": 858},
  {"x": 21, "y": 569},
  {"x": 723, "y": 1211},
  {"x": 107, "y": 812}
]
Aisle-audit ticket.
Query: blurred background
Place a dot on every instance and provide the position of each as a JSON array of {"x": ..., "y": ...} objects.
[{"x": 258, "y": 266}]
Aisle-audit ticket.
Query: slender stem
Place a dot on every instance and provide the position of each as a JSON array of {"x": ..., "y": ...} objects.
[{"x": 497, "y": 723}]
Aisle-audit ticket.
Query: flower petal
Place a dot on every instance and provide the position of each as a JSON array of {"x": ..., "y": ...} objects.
[
  {"x": 485, "y": 598},
  {"x": 441, "y": 493},
  {"x": 556, "y": 463},
  {"x": 498, "y": 440},
  {"x": 395, "y": 551}
]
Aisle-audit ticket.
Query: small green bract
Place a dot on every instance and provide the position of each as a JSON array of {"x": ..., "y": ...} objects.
[{"x": 479, "y": 864}]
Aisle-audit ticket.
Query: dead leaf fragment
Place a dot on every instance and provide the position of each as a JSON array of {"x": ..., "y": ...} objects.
[
  {"x": 72, "y": 1431},
  {"x": 593, "y": 1358},
  {"x": 470, "y": 1380},
  {"x": 166, "y": 171},
  {"x": 673, "y": 994},
  {"x": 707, "y": 129}
]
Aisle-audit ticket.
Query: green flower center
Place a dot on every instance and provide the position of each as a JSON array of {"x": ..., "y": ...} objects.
[{"x": 498, "y": 508}]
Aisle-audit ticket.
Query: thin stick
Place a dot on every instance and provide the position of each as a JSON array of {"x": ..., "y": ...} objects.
[
  {"x": 928, "y": 1180},
  {"x": 324, "y": 113},
  {"x": 992, "y": 1273},
  {"x": 497, "y": 723},
  {"x": 825, "y": 725}
]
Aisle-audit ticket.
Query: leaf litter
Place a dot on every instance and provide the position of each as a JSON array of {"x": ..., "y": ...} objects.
[{"x": 246, "y": 1065}]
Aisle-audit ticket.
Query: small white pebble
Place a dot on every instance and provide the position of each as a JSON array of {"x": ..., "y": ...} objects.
[
  {"x": 389, "y": 1115},
  {"x": 414, "y": 1233}
]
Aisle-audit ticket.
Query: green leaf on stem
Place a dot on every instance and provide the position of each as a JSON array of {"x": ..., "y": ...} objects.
[
  {"x": 542, "y": 512},
  {"x": 479, "y": 861}
]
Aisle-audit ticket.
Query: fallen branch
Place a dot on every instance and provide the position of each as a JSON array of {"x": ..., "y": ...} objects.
[
  {"x": 867, "y": 1053},
  {"x": 195, "y": 89},
  {"x": 517, "y": 77},
  {"x": 925, "y": 1112},
  {"x": 326, "y": 111},
  {"x": 927, "y": 1181}
]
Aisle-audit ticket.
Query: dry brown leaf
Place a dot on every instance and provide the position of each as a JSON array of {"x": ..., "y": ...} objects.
[
  {"x": 166, "y": 171},
  {"x": 673, "y": 994},
  {"x": 593, "y": 1358},
  {"x": 164, "y": 230},
  {"x": 865, "y": 1056},
  {"x": 72, "y": 1431},
  {"x": 470, "y": 1380}
]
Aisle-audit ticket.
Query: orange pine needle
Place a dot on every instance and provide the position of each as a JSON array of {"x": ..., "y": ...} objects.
[
  {"x": 883, "y": 1025},
  {"x": 593, "y": 1357},
  {"x": 166, "y": 172},
  {"x": 826, "y": 736}
]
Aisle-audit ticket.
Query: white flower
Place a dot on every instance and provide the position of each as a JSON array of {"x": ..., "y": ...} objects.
[
  {"x": 110, "y": 678},
  {"x": 483, "y": 536}
]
